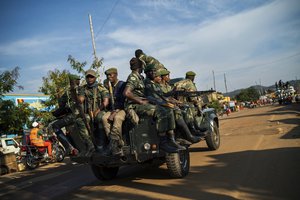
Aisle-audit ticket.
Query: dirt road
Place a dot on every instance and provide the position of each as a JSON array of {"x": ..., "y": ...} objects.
[{"x": 259, "y": 158}]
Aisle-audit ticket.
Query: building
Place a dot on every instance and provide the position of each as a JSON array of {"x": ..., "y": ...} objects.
[{"x": 36, "y": 101}]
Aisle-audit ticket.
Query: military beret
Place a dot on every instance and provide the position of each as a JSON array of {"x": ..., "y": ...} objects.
[
  {"x": 164, "y": 72},
  {"x": 190, "y": 73},
  {"x": 90, "y": 72},
  {"x": 149, "y": 68},
  {"x": 73, "y": 77},
  {"x": 111, "y": 71}
]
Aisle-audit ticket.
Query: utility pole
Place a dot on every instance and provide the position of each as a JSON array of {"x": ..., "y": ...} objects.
[
  {"x": 225, "y": 83},
  {"x": 96, "y": 60},
  {"x": 93, "y": 39},
  {"x": 214, "y": 80}
]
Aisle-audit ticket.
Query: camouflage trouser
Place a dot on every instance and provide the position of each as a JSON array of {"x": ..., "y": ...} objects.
[
  {"x": 113, "y": 129},
  {"x": 81, "y": 129},
  {"x": 77, "y": 130},
  {"x": 190, "y": 116},
  {"x": 67, "y": 120},
  {"x": 99, "y": 133},
  {"x": 164, "y": 117}
]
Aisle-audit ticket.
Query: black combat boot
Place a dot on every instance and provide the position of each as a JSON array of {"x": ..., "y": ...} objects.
[
  {"x": 64, "y": 141},
  {"x": 114, "y": 147},
  {"x": 202, "y": 132},
  {"x": 171, "y": 136},
  {"x": 186, "y": 131},
  {"x": 166, "y": 145}
]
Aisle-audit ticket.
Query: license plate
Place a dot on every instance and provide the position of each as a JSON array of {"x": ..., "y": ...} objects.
[{"x": 23, "y": 153}]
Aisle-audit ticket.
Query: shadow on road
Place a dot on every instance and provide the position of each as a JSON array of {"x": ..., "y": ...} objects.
[{"x": 265, "y": 174}]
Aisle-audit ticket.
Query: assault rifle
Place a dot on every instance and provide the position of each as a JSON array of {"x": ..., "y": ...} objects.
[
  {"x": 112, "y": 98},
  {"x": 190, "y": 93},
  {"x": 111, "y": 94},
  {"x": 80, "y": 109},
  {"x": 160, "y": 102}
]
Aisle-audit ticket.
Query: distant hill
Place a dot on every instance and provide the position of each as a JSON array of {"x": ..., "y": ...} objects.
[{"x": 263, "y": 89}]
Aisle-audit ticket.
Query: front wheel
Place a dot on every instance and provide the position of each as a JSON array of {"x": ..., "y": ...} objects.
[
  {"x": 213, "y": 137},
  {"x": 178, "y": 163},
  {"x": 59, "y": 154},
  {"x": 31, "y": 163},
  {"x": 104, "y": 173}
]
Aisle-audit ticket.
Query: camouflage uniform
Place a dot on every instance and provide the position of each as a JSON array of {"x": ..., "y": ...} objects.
[
  {"x": 148, "y": 60},
  {"x": 93, "y": 98},
  {"x": 136, "y": 83},
  {"x": 73, "y": 123},
  {"x": 195, "y": 103},
  {"x": 165, "y": 119}
]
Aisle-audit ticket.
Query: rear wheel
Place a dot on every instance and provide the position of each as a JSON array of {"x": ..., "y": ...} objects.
[
  {"x": 104, "y": 173},
  {"x": 178, "y": 163},
  {"x": 213, "y": 137},
  {"x": 31, "y": 163}
]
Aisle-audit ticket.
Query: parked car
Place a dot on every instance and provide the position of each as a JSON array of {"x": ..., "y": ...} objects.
[{"x": 9, "y": 145}]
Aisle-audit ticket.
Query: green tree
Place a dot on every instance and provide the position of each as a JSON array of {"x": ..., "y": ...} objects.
[
  {"x": 15, "y": 117},
  {"x": 54, "y": 85},
  {"x": 216, "y": 105},
  {"x": 249, "y": 94},
  {"x": 12, "y": 117},
  {"x": 8, "y": 81}
]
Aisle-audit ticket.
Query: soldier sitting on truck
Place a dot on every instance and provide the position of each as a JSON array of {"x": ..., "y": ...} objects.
[
  {"x": 192, "y": 115},
  {"x": 136, "y": 100},
  {"x": 113, "y": 119},
  {"x": 163, "y": 88}
]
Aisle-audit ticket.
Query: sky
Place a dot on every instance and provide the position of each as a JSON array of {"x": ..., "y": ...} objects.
[{"x": 250, "y": 41}]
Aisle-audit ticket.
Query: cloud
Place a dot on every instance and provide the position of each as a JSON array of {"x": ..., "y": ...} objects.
[
  {"x": 247, "y": 40},
  {"x": 36, "y": 45},
  {"x": 225, "y": 45}
]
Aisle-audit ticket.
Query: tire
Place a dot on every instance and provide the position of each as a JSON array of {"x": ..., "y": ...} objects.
[
  {"x": 31, "y": 163},
  {"x": 3, "y": 170},
  {"x": 178, "y": 163},
  {"x": 213, "y": 138},
  {"x": 104, "y": 173},
  {"x": 60, "y": 154}
]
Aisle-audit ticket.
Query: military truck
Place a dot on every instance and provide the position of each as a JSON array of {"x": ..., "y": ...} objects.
[{"x": 142, "y": 146}]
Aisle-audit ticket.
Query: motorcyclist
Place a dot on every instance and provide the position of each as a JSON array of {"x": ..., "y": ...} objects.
[{"x": 36, "y": 138}]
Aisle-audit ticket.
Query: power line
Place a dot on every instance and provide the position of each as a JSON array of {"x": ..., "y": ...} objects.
[{"x": 106, "y": 20}]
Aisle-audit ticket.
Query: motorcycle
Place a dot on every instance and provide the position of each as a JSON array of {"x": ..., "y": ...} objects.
[{"x": 32, "y": 155}]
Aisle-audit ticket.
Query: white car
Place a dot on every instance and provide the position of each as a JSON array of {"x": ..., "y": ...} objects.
[{"x": 9, "y": 145}]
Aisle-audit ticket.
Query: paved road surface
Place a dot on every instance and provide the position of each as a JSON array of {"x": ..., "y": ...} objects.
[{"x": 259, "y": 158}]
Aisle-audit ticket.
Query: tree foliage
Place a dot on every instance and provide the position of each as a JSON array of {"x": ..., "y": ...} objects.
[
  {"x": 13, "y": 118},
  {"x": 216, "y": 105},
  {"x": 54, "y": 85},
  {"x": 249, "y": 94},
  {"x": 8, "y": 81}
]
